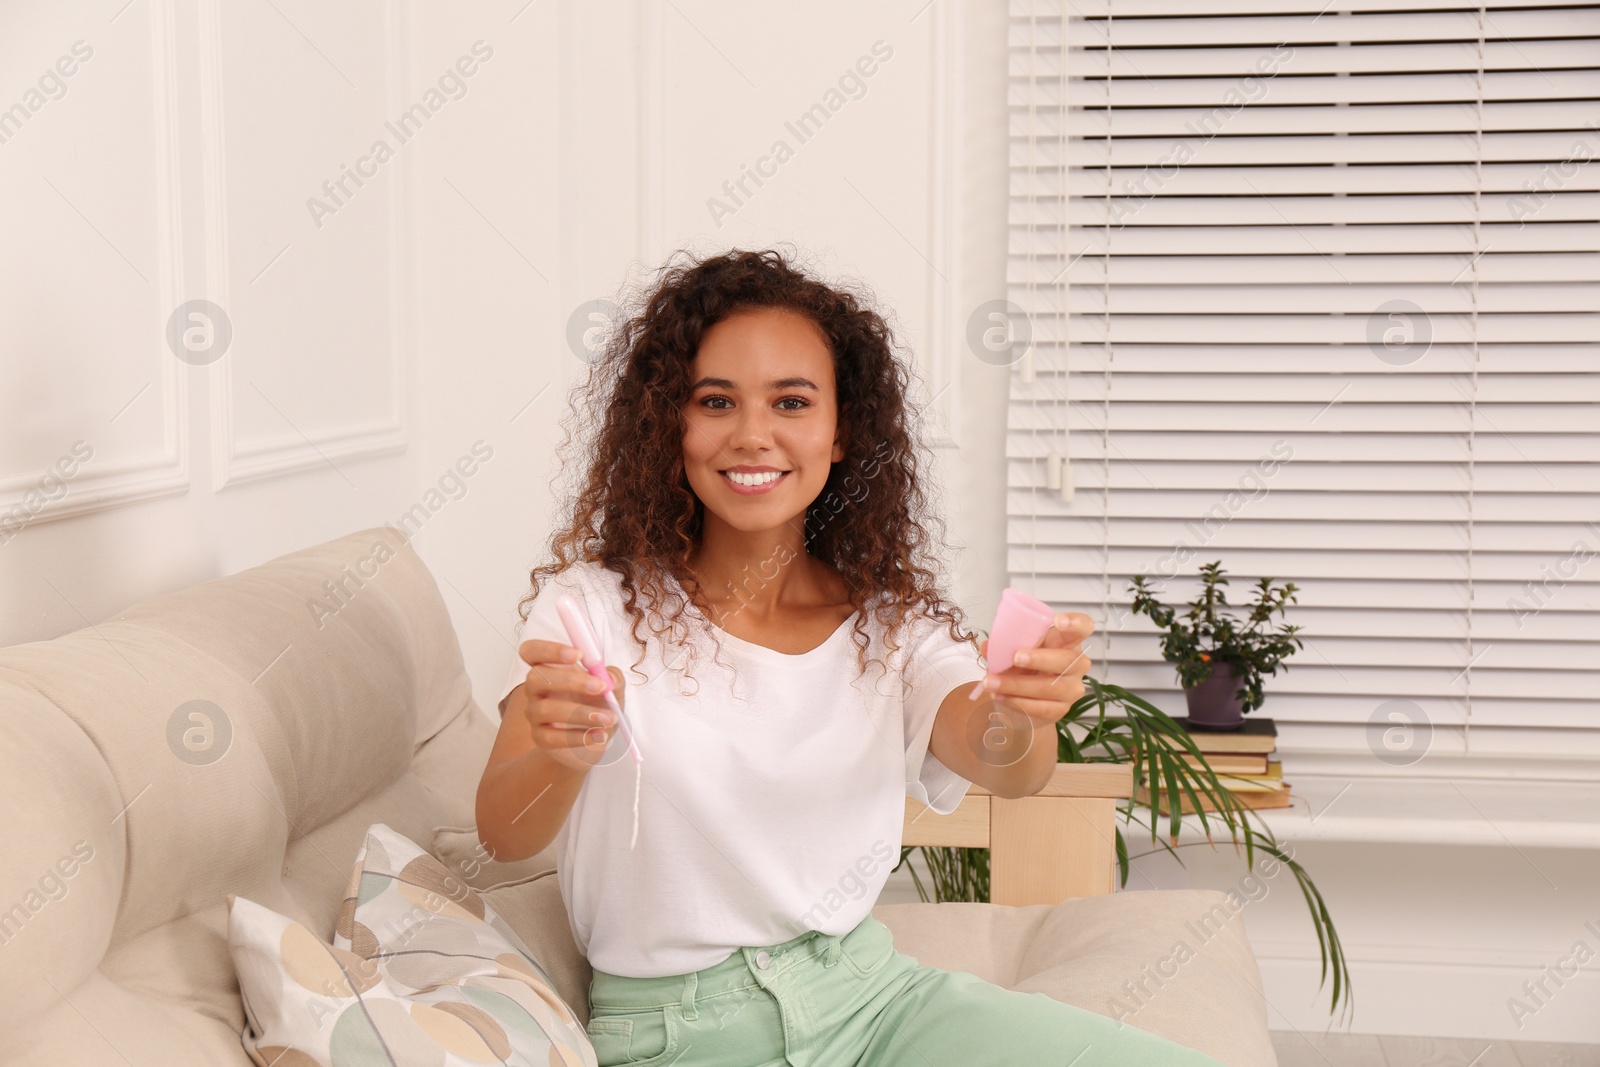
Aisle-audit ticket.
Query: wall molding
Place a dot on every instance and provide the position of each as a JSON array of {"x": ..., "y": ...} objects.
[
  {"x": 1468, "y": 992},
  {"x": 231, "y": 462},
  {"x": 106, "y": 486},
  {"x": 651, "y": 81},
  {"x": 945, "y": 327}
]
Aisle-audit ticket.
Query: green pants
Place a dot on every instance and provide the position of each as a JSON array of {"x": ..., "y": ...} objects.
[{"x": 851, "y": 1000}]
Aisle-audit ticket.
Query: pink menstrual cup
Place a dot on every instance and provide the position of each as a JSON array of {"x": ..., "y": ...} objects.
[{"x": 1021, "y": 622}]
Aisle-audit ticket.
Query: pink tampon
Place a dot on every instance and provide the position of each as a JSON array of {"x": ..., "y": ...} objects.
[{"x": 583, "y": 640}]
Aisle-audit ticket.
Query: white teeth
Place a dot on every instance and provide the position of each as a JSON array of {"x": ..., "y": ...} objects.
[{"x": 754, "y": 479}]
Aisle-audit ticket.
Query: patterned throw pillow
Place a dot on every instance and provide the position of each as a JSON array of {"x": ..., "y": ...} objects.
[{"x": 421, "y": 973}]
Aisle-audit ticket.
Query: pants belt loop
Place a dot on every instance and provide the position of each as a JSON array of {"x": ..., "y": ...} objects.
[
  {"x": 830, "y": 955},
  {"x": 687, "y": 1004}
]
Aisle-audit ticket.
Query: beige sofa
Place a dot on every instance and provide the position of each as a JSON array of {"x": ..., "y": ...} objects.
[{"x": 239, "y": 736}]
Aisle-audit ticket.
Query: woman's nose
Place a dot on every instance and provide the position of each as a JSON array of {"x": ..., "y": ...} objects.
[{"x": 751, "y": 429}]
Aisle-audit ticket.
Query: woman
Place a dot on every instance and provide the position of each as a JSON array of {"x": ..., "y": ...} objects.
[{"x": 753, "y": 488}]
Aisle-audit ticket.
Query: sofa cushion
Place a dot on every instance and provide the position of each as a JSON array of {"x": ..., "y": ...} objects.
[
  {"x": 316, "y": 725},
  {"x": 408, "y": 910},
  {"x": 309, "y": 1003},
  {"x": 535, "y": 910},
  {"x": 1174, "y": 962},
  {"x": 459, "y": 849},
  {"x": 527, "y": 894},
  {"x": 420, "y": 965},
  {"x": 301, "y": 994}
]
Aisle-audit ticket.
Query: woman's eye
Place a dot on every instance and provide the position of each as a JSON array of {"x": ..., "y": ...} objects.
[{"x": 801, "y": 401}]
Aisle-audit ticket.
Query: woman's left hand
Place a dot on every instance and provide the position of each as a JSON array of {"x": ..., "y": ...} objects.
[{"x": 1051, "y": 681}]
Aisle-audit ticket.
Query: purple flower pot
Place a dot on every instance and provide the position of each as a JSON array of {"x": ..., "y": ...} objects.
[{"x": 1213, "y": 703}]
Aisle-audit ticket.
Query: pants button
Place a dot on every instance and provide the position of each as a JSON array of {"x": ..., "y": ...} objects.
[{"x": 763, "y": 959}]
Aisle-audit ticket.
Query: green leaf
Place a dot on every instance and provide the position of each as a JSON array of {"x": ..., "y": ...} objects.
[{"x": 1128, "y": 729}]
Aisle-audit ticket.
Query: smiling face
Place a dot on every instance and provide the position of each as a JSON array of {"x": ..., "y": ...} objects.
[{"x": 762, "y": 429}]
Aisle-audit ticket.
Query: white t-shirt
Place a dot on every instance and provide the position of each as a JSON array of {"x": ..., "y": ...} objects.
[{"x": 771, "y": 797}]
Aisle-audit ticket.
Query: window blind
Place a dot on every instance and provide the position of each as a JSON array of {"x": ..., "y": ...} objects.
[{"x": 1315, "y": 291}]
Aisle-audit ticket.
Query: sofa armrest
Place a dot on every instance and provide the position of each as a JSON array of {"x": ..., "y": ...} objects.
[{"x": 1058, "y": 843}]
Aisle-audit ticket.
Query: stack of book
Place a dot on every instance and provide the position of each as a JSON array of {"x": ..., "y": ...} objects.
[{"x": 1242, "y": 760}]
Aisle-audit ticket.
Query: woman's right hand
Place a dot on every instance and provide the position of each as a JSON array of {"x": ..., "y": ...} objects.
[{"x": 567, "y": 720}]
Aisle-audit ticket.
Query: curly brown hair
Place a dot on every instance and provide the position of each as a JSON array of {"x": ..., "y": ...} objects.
[{"x": 634, "y": 512}]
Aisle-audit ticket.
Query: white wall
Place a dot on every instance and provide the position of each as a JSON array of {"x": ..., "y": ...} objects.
[
  {"x": 574, "y": 169},
  {"x": 176, "y": 166},
  {"x": 381, "y": 332}
]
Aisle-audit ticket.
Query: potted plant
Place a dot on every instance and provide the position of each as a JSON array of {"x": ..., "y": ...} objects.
[
  {"x": 1108, "y": 724},
  {"x": 1220, "y": 658}
]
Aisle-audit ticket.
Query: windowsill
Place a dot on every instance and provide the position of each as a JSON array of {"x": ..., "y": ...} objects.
[{"x": 1467, "y": 809}]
